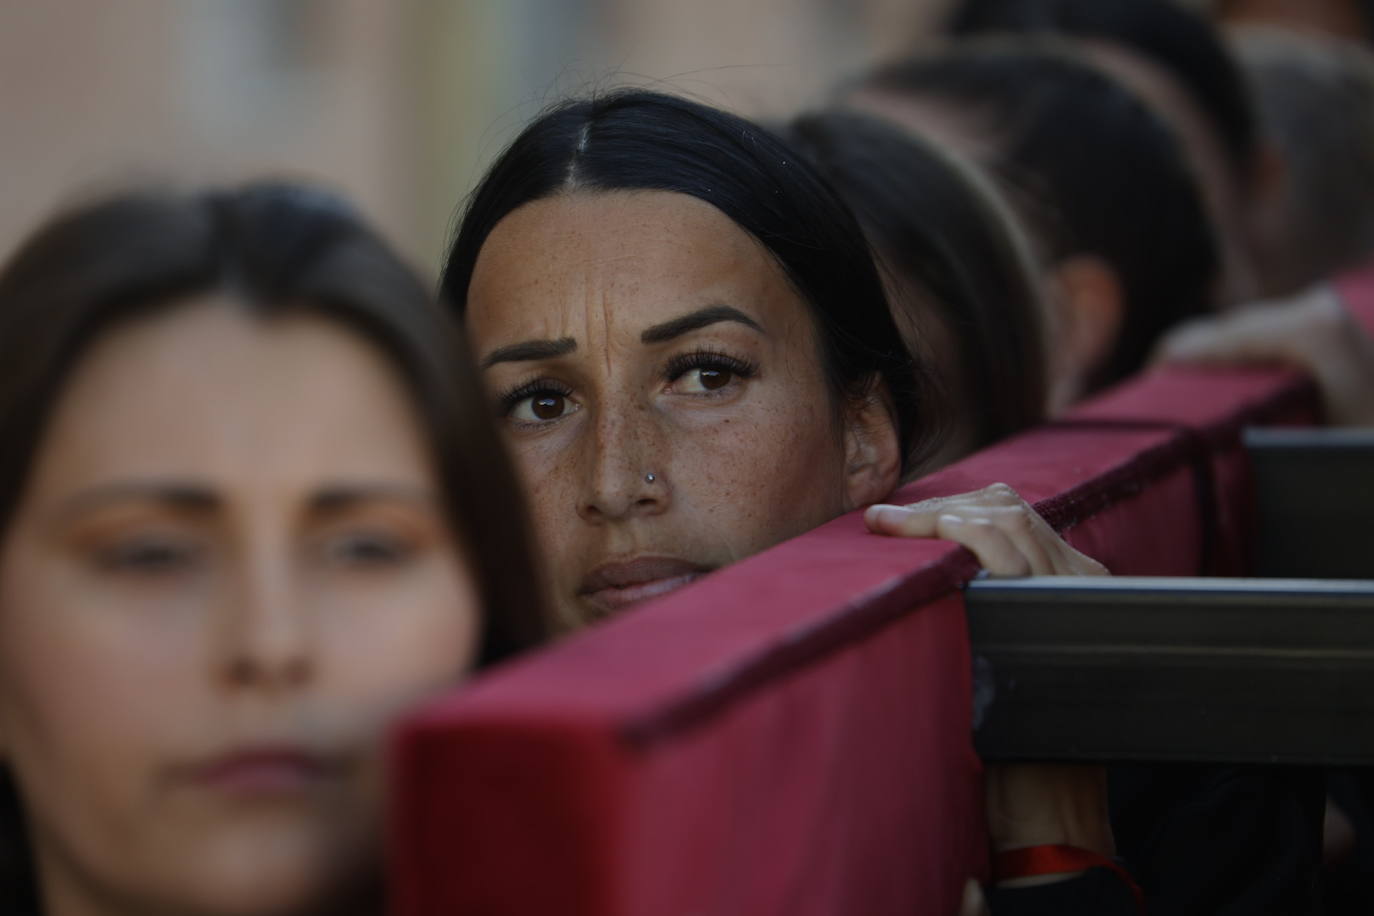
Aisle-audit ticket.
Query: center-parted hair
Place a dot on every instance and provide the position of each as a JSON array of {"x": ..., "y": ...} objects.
[
  {"x": 270, "y": 249},
  {"x": 635, "y": 140},
  {"x": 1092, "y": 169}
]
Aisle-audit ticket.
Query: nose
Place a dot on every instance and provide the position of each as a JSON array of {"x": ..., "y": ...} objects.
[
  {"x": 266, "y": 635},
  {"x": 625, "y": 458}
]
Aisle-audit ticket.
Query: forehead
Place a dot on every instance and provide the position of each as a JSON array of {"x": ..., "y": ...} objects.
[
  {"x": 622, "y": 259},
  {"x": 209, "y": 390}
]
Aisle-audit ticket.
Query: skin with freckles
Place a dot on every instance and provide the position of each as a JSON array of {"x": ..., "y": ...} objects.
[
  {"x": 651, "y": 334},
  {"x": 227, "y": 571}
]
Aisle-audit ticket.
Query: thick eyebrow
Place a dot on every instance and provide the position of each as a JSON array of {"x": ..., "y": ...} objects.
[
  {"x": 528, "y": 350},
  {"x": 183, "y": 496},
  {"x": 694, "y": 321}
]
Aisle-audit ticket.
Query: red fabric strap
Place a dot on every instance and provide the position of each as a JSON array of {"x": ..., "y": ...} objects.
[{"x": 1034, "y": 861}]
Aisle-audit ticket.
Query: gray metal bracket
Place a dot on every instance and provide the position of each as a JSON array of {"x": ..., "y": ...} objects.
[
  {"x": 1159, "y": 669},
  {"x": 1314, "y": 501}
]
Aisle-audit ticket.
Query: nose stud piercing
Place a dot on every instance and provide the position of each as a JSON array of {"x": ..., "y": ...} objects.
[{"x": 649, "y": 478}]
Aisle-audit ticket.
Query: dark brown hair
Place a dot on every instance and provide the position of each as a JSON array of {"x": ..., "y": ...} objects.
[
  {"x": 274, "y": 249},
  {"x": 950, "y": 248},
  {"x": 1175, "y": 38},
  {"x": 639, "y": 140},
  {"x": 1091, "y": 168}
]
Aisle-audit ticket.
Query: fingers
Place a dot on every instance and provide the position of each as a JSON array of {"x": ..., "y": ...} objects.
[
  {"x": 1071, "y": 562},
  {"x": 1003, "y": 531},
  {"x": 1311, "y": 331},
  {"x": 1298, "y": 331},
  {"x": 901, "y": 521},
  {"x": 974, "y": 903},
  {"x": 995, "y": 549},
  {"x": 1048, "y": 804}
]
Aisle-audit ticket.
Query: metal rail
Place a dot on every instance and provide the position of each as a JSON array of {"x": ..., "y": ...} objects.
[
  {"x": 1314, "y": 501},
  {"x": 1146, "y": 669}
]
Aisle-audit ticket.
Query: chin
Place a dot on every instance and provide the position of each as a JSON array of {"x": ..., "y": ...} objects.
[{"x": 286, "y": 874}]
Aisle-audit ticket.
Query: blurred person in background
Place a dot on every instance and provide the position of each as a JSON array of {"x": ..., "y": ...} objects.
[
  {"x": 1314, "y": 331},
  {"x": 959, "y": 273},
  {"x": 962, "y": 283},
  {"x": 693, "y": 358},
  {"x": 1099, "y": 179},
  {"x": 252, "y": 506},
  {"x": 1177, "y": 61},
  {"x": 1315, "y": 100},
  {"x": 1350, "y": 19},
  {"x": 1105, "y": 187},
  {"x": 1315, "y": 96}
]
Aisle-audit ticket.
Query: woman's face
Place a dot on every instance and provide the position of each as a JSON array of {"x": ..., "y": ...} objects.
[
  {"x": 661, "y": 386},
  {"x": 227, "y": 572}
]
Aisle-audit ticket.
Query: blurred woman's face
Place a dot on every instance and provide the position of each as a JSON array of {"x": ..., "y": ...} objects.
[
  {"x": 662, "y": 389},
  {"x": 227, "y": 572}
]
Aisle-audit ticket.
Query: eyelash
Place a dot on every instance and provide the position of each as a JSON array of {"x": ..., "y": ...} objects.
[
  {"x": 708, "y": 358},
  {"x": 529, "y": 389},
  {"x": 676, "y": 368}
]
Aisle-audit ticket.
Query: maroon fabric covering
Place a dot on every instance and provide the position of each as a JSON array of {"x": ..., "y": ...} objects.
[
  {"x": 1211, "y": 407},
  {"x": 792, "y": 734},
  {"x": 1356, "y": 290}
]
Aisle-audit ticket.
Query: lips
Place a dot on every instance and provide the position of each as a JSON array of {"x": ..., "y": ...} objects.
[
  {"x": 616, "y": 586},
  {"x": 265, "y": 770}
]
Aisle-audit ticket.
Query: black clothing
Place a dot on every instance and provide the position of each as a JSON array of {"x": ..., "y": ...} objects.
[
  {"x": 1207, "y": 840},
  {"x": 1097, "y": 892}
]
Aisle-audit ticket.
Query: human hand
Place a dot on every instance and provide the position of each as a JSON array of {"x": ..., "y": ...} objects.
[
  {"x": 1027, "y": 804},
  {"x": 1003, "y": 531},
  {"x": 1311, "y": 331},
  {"x": 974, "y": 903}
]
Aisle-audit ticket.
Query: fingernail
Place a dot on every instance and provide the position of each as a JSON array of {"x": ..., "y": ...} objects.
[
  {"x": 884, "y": 512},
  {"x": 953, "y": 521}
]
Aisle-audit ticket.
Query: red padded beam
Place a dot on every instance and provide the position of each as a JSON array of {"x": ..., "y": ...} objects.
[
  {"x": 1212, "y": 406},
  {"x": 792, "y": 734}
]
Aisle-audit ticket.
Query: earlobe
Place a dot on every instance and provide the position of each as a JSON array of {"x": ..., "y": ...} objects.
[
  {"x": 873, "y": 459},
  {"x": 1092, "y": 308}
]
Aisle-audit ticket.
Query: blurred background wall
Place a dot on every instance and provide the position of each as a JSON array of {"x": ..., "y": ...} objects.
[{"x": 399, "y": 103}]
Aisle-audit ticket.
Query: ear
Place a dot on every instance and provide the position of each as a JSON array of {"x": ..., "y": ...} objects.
[
  {"x": 1092, "y": 308},
  {"x": 873, "y": 456}
]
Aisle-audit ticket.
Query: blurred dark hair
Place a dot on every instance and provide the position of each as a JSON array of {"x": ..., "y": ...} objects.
[
  {"x": 1176, "y": 39},
  {"x": 639, "y": 140},
  {"x": 951, "y": 250},
  {"x": 1315, "y": 97},
  {"x": 274, "y": 249},
  {"x": 1092, "y": 168}
]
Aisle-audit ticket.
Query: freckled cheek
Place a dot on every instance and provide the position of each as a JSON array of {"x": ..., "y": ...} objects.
[
  {"x": 774, "y": 471},
  {"x": 546, "y": 469}
]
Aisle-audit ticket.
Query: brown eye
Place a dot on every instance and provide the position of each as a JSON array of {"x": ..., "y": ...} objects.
[
  {"x": 542, "y": 406},
  {"x": 713, "y": 379},
  {"x": 707, "y": 378},
  {"x": 547, "y": 407}
]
